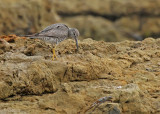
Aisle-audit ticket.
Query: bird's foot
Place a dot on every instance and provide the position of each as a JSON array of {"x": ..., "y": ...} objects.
[
  {"x": 54, "y": 57},
  {"x": 54, "y": 54}
]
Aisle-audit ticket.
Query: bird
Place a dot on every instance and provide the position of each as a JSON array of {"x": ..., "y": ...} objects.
[
  {"x": 55, "y": 34},
  {"x": 100, "y": 101}
]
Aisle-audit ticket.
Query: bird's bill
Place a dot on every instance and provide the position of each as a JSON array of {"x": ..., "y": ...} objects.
[{"x": 76, "y": 42}]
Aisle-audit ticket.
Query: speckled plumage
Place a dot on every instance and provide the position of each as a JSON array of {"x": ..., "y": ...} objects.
[{"x": 56, "y": 33}]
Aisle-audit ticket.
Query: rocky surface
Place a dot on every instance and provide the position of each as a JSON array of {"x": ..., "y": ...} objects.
[
  {"x": 109, "y": 20},
  {"x": 128, "y": 71}
]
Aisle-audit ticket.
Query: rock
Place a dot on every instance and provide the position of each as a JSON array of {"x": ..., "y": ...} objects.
[
  {"x": 128, "y": 71},
  {"x": 95, "y": 27},
  {"x": 106, "y": 108},
  {"x": 5, "y": 90},
  {"x": 114, "y": 110},
  {"x": 28, "y": 20}
]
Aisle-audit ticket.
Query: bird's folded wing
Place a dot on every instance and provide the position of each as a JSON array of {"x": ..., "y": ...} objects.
[{"x": 55, "y": 30}]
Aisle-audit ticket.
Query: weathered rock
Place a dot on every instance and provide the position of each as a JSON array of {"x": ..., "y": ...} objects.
[
  {"x": 5, "y": 90},
  {"x": 129, "y": 71},
  {"x": 89, "y": 25},
  {"x": 33, "y": 16}
]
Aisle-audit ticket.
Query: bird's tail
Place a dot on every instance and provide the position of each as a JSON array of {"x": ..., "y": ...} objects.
[
  {"x": 26, "y": 35},
  {"x": 33, "y": 35}
]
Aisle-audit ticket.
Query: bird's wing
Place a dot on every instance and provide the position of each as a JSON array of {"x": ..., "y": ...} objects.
[{"x": 55, "y": 30}]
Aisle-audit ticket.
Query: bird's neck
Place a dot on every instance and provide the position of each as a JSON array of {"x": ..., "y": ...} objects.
[{"x": 69, "y": 32}]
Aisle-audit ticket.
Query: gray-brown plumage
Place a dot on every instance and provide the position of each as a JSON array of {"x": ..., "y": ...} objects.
[{"x": 56, "y": 33}]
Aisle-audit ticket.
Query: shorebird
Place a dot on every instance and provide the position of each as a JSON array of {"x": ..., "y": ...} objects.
[
  {"x": 55, "y": 34},
  {"x": 99, "y": 101}
]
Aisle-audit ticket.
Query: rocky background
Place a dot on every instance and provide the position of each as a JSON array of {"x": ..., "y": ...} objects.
[
  {"x": 128, "y": 71},
  {"x": 108, "y": 20}
]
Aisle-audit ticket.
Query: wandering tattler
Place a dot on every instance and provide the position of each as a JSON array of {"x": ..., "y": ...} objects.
[{"x": 55, "y": 34}]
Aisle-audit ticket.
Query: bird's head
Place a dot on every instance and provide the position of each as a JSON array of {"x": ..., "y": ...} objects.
[{"x": 74, "y": 33}]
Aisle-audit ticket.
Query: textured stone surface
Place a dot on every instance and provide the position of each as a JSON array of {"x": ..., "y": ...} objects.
[{"x": 30, "y": 82}]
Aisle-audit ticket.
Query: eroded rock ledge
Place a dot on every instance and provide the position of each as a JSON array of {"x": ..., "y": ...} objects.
[{"x": 30, "y": 82}]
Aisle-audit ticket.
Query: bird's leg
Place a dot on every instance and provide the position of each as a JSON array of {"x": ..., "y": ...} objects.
[{"x": 54, "y": 53}]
